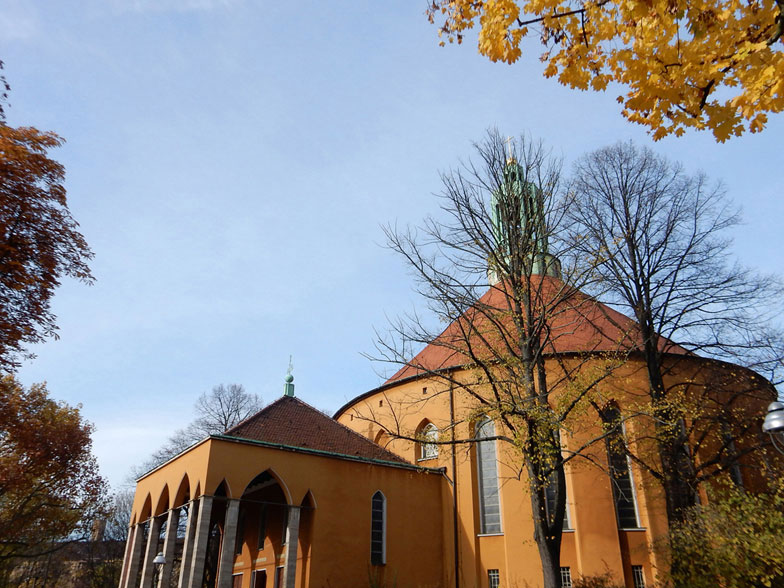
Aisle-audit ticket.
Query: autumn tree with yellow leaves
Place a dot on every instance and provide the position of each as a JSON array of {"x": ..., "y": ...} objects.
[{"x": 707, "y": 64}]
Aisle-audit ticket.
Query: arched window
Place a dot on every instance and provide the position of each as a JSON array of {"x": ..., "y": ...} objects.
[
  {"x": 378, "y": 529},
  {"x": 620, "y": 472},
  {"x": 428, "y": 446},
  {"x": 550, "y": 496},
  {"x": 487, "y": 475}
]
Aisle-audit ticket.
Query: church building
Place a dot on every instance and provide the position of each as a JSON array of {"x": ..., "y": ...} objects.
[{"x": 408, "y": 485}]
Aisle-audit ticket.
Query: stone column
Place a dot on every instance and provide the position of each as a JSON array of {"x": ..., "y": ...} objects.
[
  {"x": 168, "y": 546},
  {"x": 226, "y": 566},
  {"x": 148, "y": 571},
  {"x": 126, "y": 554},
  {"x": 292, "y": 539},
  {"x": 132, "y": 556},
  {"x": 200, "y": 540},
  {"x": 187, "y": 546}
]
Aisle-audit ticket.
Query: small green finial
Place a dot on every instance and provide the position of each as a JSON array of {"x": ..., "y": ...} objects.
[{"x": 288, "y": 387}]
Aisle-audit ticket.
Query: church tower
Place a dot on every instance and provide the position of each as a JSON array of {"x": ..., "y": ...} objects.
[{"x": 519, "y": 227}]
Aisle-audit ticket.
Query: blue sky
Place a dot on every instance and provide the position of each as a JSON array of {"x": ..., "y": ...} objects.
[{"x": 231, "y": 163}]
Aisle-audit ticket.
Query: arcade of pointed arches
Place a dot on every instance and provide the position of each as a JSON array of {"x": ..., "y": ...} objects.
[{"x": 201, "y": 534}]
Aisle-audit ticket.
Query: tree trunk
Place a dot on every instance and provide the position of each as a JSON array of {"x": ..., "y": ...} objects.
[
  {"x": 548, "y": 541},
  {"x": 677, "y": 470}
]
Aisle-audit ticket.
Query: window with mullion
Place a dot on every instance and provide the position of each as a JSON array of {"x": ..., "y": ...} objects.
[
  {"x": 429, "y": 443},
  {"x": 620, "y": 471},
  {"x": 549, "y": 493},
  {"x": 378, "y": 509},
  {"x": 487, "y": 465},
  {"x": 566, "y": 577}
]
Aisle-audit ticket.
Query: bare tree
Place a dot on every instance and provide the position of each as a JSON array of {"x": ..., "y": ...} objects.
[
  {"x": 216, "y": 411},
  {"x": 486, "y": 268},
  {"x": 656, "y": 241},
  {"x": 4, "y": 89},
  {"x": 223, "y": 407},
  {"x": 103, "y": 552}
]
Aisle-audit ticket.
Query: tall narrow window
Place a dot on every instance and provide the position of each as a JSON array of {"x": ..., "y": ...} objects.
[
  {"x": 566, "y": 577},
  {"x": 638, "y": 577},
  {"x": 493, "y": 578},
  {"x": 549, "y": 493},
  {"x": 378, "y": 529},
  {"x": 429, "y": 443},
  {"x": 620, "y": 472},
  {"x": 259, "y": 579},
  {"x": 279, "y": 577},
  {"x": 489, "y": 499},
  {"x": 732, "y": 453}
]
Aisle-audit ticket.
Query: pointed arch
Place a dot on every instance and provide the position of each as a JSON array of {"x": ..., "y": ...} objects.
[
  {"x": 306, "y": 515},
  {"x": 162, "y": 504},
  {"x": 381, "y": 438},
  {"x": 146, "y": 510},
  {"x": 223, "y": 489},
  {"x": 308, "y": 501},
  {"x": 262, "y": 478},
  {"x": 266, "y": 501},
  {"x": 183, "y": 493},
  {"x": 427, "y": 446}
]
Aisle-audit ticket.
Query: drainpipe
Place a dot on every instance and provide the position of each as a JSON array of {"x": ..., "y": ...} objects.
[{"x": 455, "y": 523}]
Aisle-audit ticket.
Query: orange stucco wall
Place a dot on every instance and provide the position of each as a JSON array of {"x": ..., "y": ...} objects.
[
  {"x": 428, "y": 512},
  {"x": 595, "y": 546},
  {"x": 334, "y": 547}
]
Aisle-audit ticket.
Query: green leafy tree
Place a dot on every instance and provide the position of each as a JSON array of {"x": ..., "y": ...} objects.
[{"x": 733, "y": 541}]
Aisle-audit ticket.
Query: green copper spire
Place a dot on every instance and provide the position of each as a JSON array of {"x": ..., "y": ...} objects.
[
  {"x": 288, "y": 387},
  {"x": 517, "y": 212}
]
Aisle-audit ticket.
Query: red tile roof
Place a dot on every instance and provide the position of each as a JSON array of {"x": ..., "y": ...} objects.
[
  {"x": 577, "y": 324},
  {"x": 289, "y": 421}
]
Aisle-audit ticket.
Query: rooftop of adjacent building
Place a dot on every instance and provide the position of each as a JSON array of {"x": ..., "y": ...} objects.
[{"x": 293, "y": 423}]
